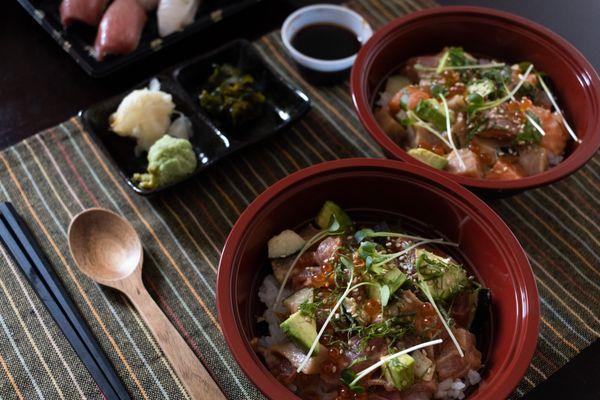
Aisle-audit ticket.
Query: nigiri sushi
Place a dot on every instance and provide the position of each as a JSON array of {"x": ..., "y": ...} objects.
[
  {"x": 86, "y": 11},
  {"x": 120, "y": 29},
  {"x": 174, "y": 15}
]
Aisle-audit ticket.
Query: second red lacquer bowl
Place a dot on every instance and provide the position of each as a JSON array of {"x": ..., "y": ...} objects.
[{"x": 493, "y": 33}]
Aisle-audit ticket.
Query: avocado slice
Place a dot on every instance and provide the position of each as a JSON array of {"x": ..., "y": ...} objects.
[
  {"x": 400, "y": 371},
  {"x": 302, "y": 330},
  {"x": 431, "y": 111},
  {"x": 444, "y": 278},
  {"x": 395, "y": 83},
  {"x": 429, "y": 157},
  {"x": 293, "y": 302},
  {"x": 329, "y": 209},
  {"x": 393, "y": 278}
]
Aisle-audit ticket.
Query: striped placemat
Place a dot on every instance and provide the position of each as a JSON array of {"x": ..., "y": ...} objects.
[{"x": 57, "y": 173}]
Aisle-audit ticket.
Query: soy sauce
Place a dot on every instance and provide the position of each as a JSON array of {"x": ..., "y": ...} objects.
[{"x": 326, "y": 41}]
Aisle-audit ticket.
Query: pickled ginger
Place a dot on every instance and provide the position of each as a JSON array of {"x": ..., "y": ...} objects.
[{"x": 144, "y": 115}]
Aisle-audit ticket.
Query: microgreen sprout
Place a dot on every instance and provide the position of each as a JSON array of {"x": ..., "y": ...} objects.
[
  {"x": 420, "y": 67},
  {"x": 558, "y": 110},
  {"x": 508, "y": 96},
  {"x": 386, "y": 359},
  {"x": 531, "y": 120},
  {"x": 422, "y": 284},
  {"x": 419, "y": 122},
  {"x": 442, "y": 64},
  {"x": 359, "y": 236},
  {"x": 375, "y": 259},
  {"x": 333, "y": 229},
  {"x": 449, "y": 131}
]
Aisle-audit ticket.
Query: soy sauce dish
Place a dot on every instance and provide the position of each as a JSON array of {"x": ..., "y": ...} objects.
[
  {"x": 315, "y": 290},
  {"x": 491, "y": 100},
  {"x": 323, "y": 40}
]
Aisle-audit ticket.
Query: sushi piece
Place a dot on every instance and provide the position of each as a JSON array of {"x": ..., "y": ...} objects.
[
  {"x": 174, "y": 15},
  {"x": 120, "y": 29},
  {"x": 87, "y": 11}
]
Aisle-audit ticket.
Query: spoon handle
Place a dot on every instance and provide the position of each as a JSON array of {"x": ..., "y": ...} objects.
[{"x": 195, "y": 378}]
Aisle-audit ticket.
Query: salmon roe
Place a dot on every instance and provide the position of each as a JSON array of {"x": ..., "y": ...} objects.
[
  {"x": 372, "y": 308},
  {"x": 427, "y": 322},
  {"x": 324, "y": 277}
]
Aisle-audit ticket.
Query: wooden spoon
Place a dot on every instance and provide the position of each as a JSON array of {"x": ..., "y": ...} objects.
[{"x": 107, "y": 249}]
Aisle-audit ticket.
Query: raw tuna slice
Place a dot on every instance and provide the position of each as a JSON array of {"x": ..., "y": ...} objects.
[
  {"x": 86, "y": 11},
  {"x": 120, "y": 29}
]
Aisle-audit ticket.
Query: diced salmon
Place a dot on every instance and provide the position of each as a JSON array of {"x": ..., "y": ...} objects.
[
  {"x": 393, "y": 128},
  {"x": 281, "y": 265},
  {"x": 425, "y": 61},
  {"x": 486, "y": 149},
  {"x": 502, "y": 122},
  {"x": 450, "y": 364},
  {"x": 556, "y": 136},
  {"x": 421, "y": 137},
  {"x": 533, "y": 159},
  {"x": 503, "y": 171},
  {"x": 327, "y": 249},
  {"x": 472, "y": 165},
  {"x": 415, "y": 94},
  {"x": 459, "y": 130}
]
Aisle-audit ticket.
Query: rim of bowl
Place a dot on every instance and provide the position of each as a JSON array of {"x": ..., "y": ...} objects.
[
  {"x": 523, "y": 343},
  {"x": 317, "y": 63},
  {"x": 578, "y": 157}
]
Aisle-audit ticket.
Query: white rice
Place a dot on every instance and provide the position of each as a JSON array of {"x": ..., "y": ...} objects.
[
  {"x": 267, "y": 293},
  {"x": 384, "y": 99},
  {"x": 455, "y": 389},
  {"x": 554, "y": 160}
]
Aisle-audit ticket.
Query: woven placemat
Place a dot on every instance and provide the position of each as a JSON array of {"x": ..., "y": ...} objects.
[{"x": 57, "y": 173}]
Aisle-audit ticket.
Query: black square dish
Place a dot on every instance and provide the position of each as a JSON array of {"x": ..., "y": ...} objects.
[
  {"x": 207, "y": 144},
  {"x": 284, "y": 103},
  {"x": 78, "y": 40}
]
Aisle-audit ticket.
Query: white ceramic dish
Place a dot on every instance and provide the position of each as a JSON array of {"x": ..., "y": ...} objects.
[{"x": 318, "y": 14}]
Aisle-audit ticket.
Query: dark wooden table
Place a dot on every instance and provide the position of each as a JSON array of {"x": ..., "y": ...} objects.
[{"x": 41, "y": 86}]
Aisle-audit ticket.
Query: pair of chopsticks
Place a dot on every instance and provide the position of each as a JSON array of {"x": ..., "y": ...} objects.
[{"x": 21, "y": 245}]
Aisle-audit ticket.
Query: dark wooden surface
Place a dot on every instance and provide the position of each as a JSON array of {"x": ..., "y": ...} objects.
[{"x": 41, "y": 86}]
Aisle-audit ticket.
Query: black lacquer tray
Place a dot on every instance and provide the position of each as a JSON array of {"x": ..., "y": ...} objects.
[{"x": 78, "y": 40}]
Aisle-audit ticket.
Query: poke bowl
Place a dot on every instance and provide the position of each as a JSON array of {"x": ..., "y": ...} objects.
[
  {"x": 381, "y": 195},
  {"x": 514, "y": 129}
]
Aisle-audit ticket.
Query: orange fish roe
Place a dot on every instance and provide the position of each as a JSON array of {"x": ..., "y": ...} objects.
[{"x": 372, "y": 308}]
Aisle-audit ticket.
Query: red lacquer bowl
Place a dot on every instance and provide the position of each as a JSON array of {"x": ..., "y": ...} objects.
[
  {"x": 493, "y": 33},
  {"x": 386, "y": 189}
]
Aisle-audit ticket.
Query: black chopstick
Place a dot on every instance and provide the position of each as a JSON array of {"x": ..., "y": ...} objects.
[{"x": 24, "y": 250}]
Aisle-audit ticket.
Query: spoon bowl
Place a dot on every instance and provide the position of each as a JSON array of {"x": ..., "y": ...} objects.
[
  {"x": 105, "y": 246},
  {"x": 107, "y": 249}
]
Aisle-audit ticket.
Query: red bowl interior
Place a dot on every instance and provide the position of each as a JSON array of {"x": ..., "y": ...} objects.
[
  {"x": 493, "y": 33},
  {"x": 387, "y": 187}
]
